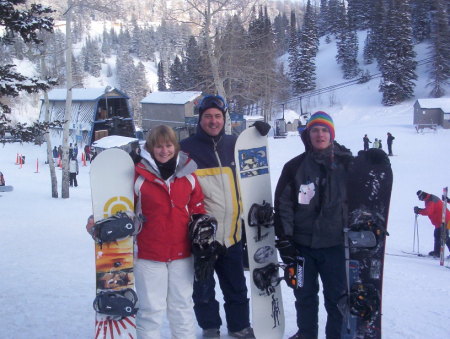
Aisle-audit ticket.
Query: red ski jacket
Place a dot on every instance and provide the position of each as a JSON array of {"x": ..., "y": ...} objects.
[
  {"x": 433, "y": 209},
  {"x": 167, "y": 207}
]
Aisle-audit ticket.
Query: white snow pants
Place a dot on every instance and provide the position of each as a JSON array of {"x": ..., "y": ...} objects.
[{"x": 162, "y": 286}]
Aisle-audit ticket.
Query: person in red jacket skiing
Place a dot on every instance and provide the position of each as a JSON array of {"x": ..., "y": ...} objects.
[{"x": 433, "y": 209}]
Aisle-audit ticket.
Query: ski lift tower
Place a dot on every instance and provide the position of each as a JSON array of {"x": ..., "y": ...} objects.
[{"x": 280, "y": 127}]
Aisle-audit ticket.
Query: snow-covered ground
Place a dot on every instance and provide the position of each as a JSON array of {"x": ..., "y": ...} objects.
[
  {"x": 48, "y": 281},
  {"x": 48, "y": 258}
]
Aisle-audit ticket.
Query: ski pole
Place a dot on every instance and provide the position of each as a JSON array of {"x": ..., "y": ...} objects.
[{"x": 416, "y": 231}]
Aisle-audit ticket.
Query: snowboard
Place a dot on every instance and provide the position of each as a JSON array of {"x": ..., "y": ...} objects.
[
  {"x": 6, "y": 188},
  {"x": 369, "y": 193},
  {"x": 253, "y": 176},
  {"x": 112, "y": 191}
]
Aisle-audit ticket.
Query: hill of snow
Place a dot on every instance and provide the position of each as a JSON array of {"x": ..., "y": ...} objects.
[{"x": 48, "y": 282}]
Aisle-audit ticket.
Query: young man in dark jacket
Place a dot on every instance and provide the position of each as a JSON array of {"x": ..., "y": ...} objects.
[
  {"x": 213, "y": 151},
  {"x": 310, "y": 215}
]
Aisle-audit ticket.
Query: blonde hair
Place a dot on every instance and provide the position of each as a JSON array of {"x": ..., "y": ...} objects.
[{"x": 159, "y": 135}]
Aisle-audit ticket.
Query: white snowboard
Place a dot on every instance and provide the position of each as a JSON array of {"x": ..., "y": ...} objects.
[
  {"x": 112, "y": 190},
  {"x": 252, "y": 172}
]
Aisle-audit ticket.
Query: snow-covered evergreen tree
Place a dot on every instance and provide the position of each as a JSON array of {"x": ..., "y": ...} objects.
[
  {"x": 192, "y": 65},
  {"x": 308, "y": 39},
  {"x": 399, "y": 67},
  {"x": 293, "y": 58},
  {"x": 347, "y": 46},
  {"x": 359, "y": 12},
  {"x": 373, "y": 45},
  {"x": 323, "y": 22},
  {"x": 439, "y": 50},
  {"x": 281, "y": 32},
  {"x": 161, "y": 78},
  {"x": 176, "y": 75},
  {"x": 25, "y": 24},
  {"x": 421, "y": 19}
]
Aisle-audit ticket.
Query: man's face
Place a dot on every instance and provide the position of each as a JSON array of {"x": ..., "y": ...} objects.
[
  {"x": 212, "y": 121},
  {"x": 320, "y": 137}
]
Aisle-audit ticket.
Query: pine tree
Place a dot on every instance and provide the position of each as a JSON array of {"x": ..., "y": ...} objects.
[
  {"x": 281, "y": 31},
  {"x": 293, "y": 58},
  {"x": 421, "y": 22},
  {"x": 16, "y": 22},
  {"x": 323, "y": 22},
  {"x": 398, "y": 68},
  {"x": 26, "y": 24},
  {"x": 192, "y": 65},
  {"x": 161, "y": 78},
  {"x": 176, "y": 75},
  {"x": 359, "y": 12},
  {"x": 347, "y": 45},
  {"x": 439, "y": 50},
  {"x": 106, "y": 43},
  {"x": 373, "y": 45},
  {"x": 307, "y": 53}
]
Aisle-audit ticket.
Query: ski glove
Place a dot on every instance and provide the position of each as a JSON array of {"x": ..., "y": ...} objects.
[
  {"x": 262, "y": 127},
  {"x": 288, "y": 252},
  {"x": 205, "y": 258},
  {"x": 417, "y": 210}
]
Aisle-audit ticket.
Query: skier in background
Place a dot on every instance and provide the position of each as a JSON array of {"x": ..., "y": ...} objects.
[
  {"x": 390, "y": 139},
  {"x": 433, "y": 209},
  {"x": 311, "y": 183},
  {"x": 366, "y": 142},
  {"x": 73, "y": 171},
  {"x": 376, "y": 144},
  {"x": 380, "y": 145}
]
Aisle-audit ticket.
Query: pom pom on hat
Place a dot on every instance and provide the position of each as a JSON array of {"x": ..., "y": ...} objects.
[{"x": 321, "y": 119}]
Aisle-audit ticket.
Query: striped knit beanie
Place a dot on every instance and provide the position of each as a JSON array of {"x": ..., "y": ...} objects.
[{"x": 321, "y": 119}]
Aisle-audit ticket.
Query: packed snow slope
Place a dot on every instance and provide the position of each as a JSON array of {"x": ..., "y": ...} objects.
[{"x": 48, "y": 281}]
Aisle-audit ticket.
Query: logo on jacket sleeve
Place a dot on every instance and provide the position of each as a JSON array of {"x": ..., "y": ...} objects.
[{"x": 306, "y": 193}]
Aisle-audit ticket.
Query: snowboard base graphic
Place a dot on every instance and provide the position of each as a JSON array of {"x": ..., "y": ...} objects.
[
  {"x": 111, "y": 175},
  {"x": 369, "y": 193},
  {"x": 252, "y": 172}
]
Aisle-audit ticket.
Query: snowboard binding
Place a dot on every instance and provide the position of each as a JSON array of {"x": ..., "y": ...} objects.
[
  {"x": 260, "y": 215},
  {"x": 118, "y": 226},
  {"x": 116, "y": 303},
  {"x": 266, "y": 278},
  {"x": 364, "y": 301},
  {"x": 366, "y": 229}
]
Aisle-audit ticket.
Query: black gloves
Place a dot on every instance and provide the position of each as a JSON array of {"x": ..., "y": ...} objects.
[
  {"x": 262, "y": 127},
  {"x": 205, "y": 258},
  {"x": 417, "y": 210},
  {"x": 288, "y": 252},
  {"x": 206, "y": 250},
  {"x": 377, "y": 156}
]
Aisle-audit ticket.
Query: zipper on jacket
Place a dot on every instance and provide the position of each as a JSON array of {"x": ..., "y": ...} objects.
[{"x": 221, "y": 179}]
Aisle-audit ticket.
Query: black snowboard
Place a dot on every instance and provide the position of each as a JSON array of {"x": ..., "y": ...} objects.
[{"x": 369, "y": 195}]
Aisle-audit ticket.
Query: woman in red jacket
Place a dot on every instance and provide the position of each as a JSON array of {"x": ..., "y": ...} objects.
[
  {"x": 433, "y": 209},
  {"x": 169, "y": 194}
]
